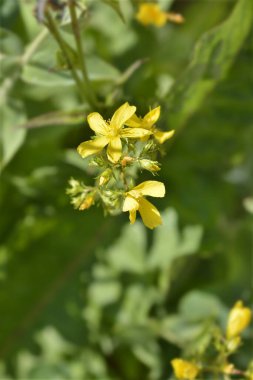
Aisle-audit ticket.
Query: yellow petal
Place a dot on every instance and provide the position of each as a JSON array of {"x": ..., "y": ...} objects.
[
  {"x": 152, "y": 188},
  {"x": 98, "y": 124},
  {"x": 184, "y": 370},
  {"x": 151, "y": 117},
  {"x": 161, "y": 137},
  {"x": 134, "y": 133},
  {"x": 130, "y": 204},
  {"x": 132, "y": 216},
  {"x": 151, "y": 14},
  {"x": 149, "y": 213},
  {"x": 160, "y": 19},
  {"x": 134, "y": 122},
  {"x": 238, "y": 320},
  {"x": 122, "y": 114},
  {"x": 90, "y": 147},
  {"x": 114, "y": 149}
]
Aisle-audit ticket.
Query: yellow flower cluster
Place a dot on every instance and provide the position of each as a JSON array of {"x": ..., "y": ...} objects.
[
  {"x": 151, "y": 14},
  {"x": 115, "y": 136},
  {"x": 110, "y": 133}
]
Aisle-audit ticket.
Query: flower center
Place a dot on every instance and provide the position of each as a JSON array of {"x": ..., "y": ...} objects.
[{"x": 113, "y": 132}]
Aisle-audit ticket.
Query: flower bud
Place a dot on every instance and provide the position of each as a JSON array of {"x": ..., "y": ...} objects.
[
  {"x": 228, "y": 369},
  {"x": 233, "y": 343},
  {"x": 238, "y": 320},
  {"x": 105, "y": 177},
  {"x": 87, "y": 203},
  {"x": 149, "y": 165},
  {"x": 175, "y": 17},
  {"x": 184, "y": 370},
  {"x": 126, "y": 160}
]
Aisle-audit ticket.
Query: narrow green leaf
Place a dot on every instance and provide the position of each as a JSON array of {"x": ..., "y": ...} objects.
[
  {"x": 11, "y": 137},
  {"x": 213, "y": 56},
  {"x": 55, "y": 118},
  {"x": 115, "y": 5}
]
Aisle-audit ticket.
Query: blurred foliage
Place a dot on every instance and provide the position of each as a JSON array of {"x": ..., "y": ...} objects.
[{"x": 83, "y": 297}]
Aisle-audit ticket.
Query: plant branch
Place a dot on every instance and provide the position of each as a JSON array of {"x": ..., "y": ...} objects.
[
  {"x": 57, "y": 35},
  {"x": 76, "y": 30}
]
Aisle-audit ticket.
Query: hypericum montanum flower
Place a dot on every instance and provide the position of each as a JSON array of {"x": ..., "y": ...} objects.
[
  {"x": 184, "y": 370},
  {"x": 239, "y": 318},
  {"x": 148, "y": 123},
  {"x": 150, "y": 13},
  {"x": 135, "y": 201},
  {"x": 110, "y": 133}
]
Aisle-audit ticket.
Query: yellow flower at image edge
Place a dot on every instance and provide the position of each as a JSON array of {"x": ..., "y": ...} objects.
[
  {"x": 238, "y": 320},
  {"x": 110, "y": 133},
  {"x": 148, "y": 123},
  {"x": 150, "y": 13},
  {"x": 135, "y": 201},
  {"x": 184, "y": 370}
]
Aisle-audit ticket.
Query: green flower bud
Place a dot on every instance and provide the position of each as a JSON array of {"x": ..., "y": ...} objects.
[
  {"x": 151, "y": 166},
  {"x": 105, "y": 177}
]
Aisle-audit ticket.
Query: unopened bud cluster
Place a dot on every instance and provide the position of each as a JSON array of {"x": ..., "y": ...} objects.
[{"x": 120, "y": 148}]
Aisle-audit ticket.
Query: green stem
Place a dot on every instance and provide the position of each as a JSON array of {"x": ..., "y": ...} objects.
[
  {"x": 75, "y": 27},
  {"x": 124, "y": 179},
  {"x": 57, "y": 35},
  {"x": 33, "y": 46}
]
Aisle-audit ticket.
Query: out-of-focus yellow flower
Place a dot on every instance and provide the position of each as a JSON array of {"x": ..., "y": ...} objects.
[
  {"x": 148, "y": 123},
  {"x": 110, "y": 133},
  {"x": 87, "y": 203},
  {"x": 238, "y": 320},
  {"x": 135, "y": 201},
  {"x": 184, "y": 370},
  {"x": 150, "y": 13},
  {"x": 234, "y": 343},
  {"x": 228, "y": 369}
]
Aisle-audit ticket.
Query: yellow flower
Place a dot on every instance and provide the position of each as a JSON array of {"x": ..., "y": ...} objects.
[
  {"x": 148, "y": 123},
  {"x": 239, "y": 318},
  {"x": 184, "y": 370},
  {"x": 110, "y": 133},
  {"x": 135, "y": 201},
  {"x": 228, "y": 369},
  {"x": 150, "y": 13}
]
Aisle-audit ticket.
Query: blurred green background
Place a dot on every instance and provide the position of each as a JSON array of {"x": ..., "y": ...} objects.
[{"x": 88, "y": 297}]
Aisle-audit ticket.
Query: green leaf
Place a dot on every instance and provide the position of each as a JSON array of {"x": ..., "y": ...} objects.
[
  {"x": 197, "y": 306},
  {"x": 42, "y": 75},
  {"x": 115, "y": 5},
  {"x": 177, "y": 245},
  {"x": 213, "y": 56},
  {"x": 12, "y": 137},
  {"x": 55, "y": 118},
  {"x": 128, "y": 253},
  {"x": 10, "y": 43},
  {"x": 45, "y": 76}
]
